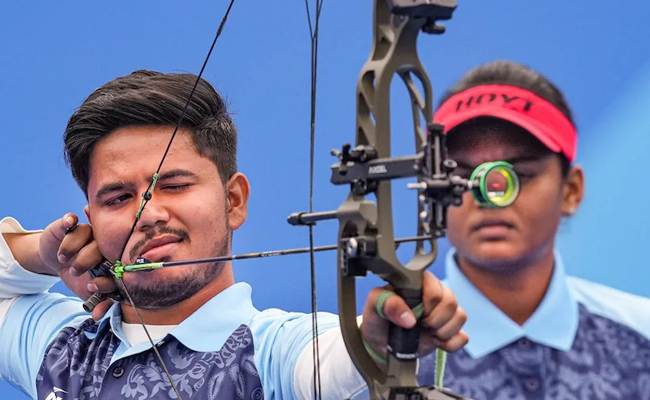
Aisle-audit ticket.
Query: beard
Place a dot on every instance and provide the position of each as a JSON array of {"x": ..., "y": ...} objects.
[{"x": 166, "y": 294}]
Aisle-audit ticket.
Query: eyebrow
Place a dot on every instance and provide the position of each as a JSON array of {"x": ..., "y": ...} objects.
[
  {"x": 112, "y": 187},
  {"x": 523, "y": 159},
  {"x": 513, "y": 161},
  {"x": 122, "y": 185},
  {"x": 175, "y": 173}
]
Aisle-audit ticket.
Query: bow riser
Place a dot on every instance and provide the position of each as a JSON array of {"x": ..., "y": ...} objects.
[{"x": 366, "y": 236}]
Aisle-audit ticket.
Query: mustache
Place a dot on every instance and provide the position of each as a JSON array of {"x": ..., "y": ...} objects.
[{"x": 179, "y": 233}]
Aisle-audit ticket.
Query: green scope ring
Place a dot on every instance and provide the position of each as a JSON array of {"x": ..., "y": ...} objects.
[{"x": 498, "y": 184}]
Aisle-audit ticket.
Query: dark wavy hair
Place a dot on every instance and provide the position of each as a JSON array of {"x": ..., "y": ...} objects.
[{"x": 146, "y": 98}]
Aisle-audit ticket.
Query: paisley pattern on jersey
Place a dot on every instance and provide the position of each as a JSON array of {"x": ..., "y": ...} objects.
[
  {"x": 607, "y": 361},
  {"x": 79, "y": 369}
]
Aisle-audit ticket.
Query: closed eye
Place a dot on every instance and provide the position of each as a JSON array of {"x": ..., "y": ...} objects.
[{"x": 175, "y": 188}]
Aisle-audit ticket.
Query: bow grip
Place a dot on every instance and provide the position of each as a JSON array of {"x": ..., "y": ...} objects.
[{"x": 403, "y": 343}]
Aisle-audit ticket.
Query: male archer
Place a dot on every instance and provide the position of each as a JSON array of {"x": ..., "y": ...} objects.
[{"x": 210, "y": 341}]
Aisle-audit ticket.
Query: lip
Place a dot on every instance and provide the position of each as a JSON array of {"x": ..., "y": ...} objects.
[
  {"x": 492, "y": 228},
  {"x": 155, "y": 248},
  {"x": 160, "y": 253},
  {"x": 488, "y": 223}
]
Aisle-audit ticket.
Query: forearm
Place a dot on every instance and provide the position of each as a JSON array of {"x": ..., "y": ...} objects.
[
  {"x": 17, "y": 247},
  {"x": 24, "y": 248}
]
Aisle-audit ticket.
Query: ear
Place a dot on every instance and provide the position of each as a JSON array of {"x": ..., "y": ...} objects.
[
  {"x": 237, "y": 192},
  {"x": 87, "y": 211},
  {"x": 573, "y": 191}
]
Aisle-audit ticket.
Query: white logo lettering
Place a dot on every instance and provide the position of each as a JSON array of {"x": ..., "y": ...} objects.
[
  {"x": 377, "y": 169},
  {"x": 53, "y": 395}
]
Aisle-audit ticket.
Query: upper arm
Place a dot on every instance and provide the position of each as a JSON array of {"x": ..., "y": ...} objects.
[
  {"x": 339, "y": 378},
  {"x": 30, "y": 318},
  {"x": 621, "y": 307},
  {"x": 280, "y": 338},
  {"x": 30, "y": 325}
]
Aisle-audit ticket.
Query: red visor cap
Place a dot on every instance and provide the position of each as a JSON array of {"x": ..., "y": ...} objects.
[{"x": 519, "y": 106}]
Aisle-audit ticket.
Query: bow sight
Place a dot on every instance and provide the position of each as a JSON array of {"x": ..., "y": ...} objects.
[{"x": 366, "y": 240}]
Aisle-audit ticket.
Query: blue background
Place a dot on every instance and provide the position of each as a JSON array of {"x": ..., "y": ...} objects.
[{"x": 53, "y": 54}]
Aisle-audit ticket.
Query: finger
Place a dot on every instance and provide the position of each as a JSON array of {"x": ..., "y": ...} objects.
[
  {"x": 374, "y": 327},
  {"x": 76, "y": 284},
  {"x": 456, "y": 343},
  {"x": 65, "y": 225},
  {"x": 452, "y": 327},
  {"x": 100, "y": 309},
  {"x": 93, "y": 301},
  {"x": 443, "y": 312},
  {"x": 73, "y": 242},
  {"x": 102, "y": 284},
  {"x": 398, "y": 312},
  {"x": 70, "y": 222},
  {"x": 432, "y": 292},
  {"x": 371, "y": 301},
  {"x": 87, "y": 258},
  {"x": 52, "y": 237}
]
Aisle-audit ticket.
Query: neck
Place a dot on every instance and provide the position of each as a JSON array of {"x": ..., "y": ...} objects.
[
  {"x": 516, "y": 291},
  {"x": 177, "y": 313}
]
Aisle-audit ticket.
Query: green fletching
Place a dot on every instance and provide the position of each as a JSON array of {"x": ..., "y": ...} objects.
[
  {"x": 143, "y": 267},
  {"x": 118, "y": 270}
]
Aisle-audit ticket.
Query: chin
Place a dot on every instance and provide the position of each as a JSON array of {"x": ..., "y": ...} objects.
[
  {"x": 494, "y": 256},
  {"x": 167, "y": 287}
]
